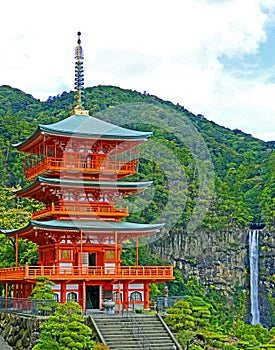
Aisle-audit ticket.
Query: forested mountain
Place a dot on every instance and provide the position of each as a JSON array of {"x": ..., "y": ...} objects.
[
  {"x": 243, "y": 166},
  {"x": 209, "y": 184}
]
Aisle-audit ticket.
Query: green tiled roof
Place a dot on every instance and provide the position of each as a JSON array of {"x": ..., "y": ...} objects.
[
  {"x": 87, "y": 126},
  {"x": 89, "y": 225},
  {"x": 96, "y": 225},
  {"x": 86, "y": 183},
  {"x": 90, "y": 183}
]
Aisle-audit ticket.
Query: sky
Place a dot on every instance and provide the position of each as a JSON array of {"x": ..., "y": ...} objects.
[{"x": 214, "y": 57}]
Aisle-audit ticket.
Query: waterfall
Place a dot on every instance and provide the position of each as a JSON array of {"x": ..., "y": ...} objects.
[{"x": 254, "y": 278}]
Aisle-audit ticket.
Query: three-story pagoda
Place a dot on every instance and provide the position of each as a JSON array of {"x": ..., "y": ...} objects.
[{"x": 73, "y": 166}]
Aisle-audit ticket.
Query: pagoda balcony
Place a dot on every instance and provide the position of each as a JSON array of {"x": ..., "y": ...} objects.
[
  {"x": 88, "y": 273},
  {"x": 79, "y": 210},
  {"x": 109, "y": 167}
]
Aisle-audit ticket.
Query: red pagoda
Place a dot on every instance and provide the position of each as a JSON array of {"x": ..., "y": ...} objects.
[{"x": 73, "y": 166}]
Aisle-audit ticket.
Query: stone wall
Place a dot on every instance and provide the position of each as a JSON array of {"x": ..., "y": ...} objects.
[{"x": 19, "y": 331}]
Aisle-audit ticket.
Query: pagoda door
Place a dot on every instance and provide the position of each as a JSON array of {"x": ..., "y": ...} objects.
[
  {"x": 88, "y": 259},
  {"x": 92, "y": 297},
  {"x": 92, "y": 259}
]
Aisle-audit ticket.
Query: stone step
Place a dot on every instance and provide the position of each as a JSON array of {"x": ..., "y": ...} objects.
[
  {"x": 138, "y": 347},
  {"x": 118, "y": 333}
]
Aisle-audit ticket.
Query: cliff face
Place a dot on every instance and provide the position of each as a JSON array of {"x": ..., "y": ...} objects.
[
  {"x": 267, "y": 277},
  {"x": 215, "y": 258},
  {"x": 221, "y": 259}
]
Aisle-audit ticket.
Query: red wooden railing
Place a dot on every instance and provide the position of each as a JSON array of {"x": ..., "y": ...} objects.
[
  {"x": 81, "y": 210},
  {"x": 65, "y": 164},
  {"x": 154, "y": 273}
]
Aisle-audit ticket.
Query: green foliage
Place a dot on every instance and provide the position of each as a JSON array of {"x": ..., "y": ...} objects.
[
  {"x": 100, "y": 346},
  {"x": 42, "y": 289},
  {"x": 194, "y": 322},
  {"x": 253, "y": 334},
  {"x": 15, "y": 213},
  {"x": 203, "y": 313},
  {"x": 180, "y": 316},
  {"x": 128, "y": 255},
  {"x": 244, "y": 187},
  {"x": 244, "y": 166},
  {"x": 227, "y": 312},
  {"x": 66, "y": 329},
  {"x": 187, "y": 285},
  {"x": 43, "y": 293}
]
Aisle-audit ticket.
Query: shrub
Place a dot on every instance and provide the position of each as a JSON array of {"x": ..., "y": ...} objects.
[
  {"x": 100, "y": 346},
  {"x": 65, "y": 330}
]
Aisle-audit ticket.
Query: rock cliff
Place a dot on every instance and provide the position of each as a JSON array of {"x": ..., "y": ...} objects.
[{"x": 221, "y": 259}]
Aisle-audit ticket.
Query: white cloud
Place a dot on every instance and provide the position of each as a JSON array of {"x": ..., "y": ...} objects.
[{"x": 172, "y": 49}]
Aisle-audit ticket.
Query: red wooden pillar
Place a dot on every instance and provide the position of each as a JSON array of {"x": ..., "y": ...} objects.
[
  {"x": 16, "y": 250},
  {"x": 119, "y": 300},
  {"x": 84, "y": 296},
  {"x": 125, "y": 296},
  {"x": 24, "y": 287},
  {"x": 116, "y": 255},
  {"x": 146, "y": 296},
  {"x": 136, "y": 251},
  {"x": 63, "y": 292}
]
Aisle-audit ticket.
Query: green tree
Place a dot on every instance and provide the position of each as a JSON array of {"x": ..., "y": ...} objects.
[
  {"x": 65, "y": 330},
  {"x": 180, "y": 316},
  {"x": 43, "y": 293},
  {"x": 203, "y": 313}
]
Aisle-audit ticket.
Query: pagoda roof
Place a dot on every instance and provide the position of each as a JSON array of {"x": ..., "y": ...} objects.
[
  {"x": 93, "y": 183},
  {"x": 82, "y": 183},
  {"x": 86, "y": 226},
  {"x": 79, "y": 125}
]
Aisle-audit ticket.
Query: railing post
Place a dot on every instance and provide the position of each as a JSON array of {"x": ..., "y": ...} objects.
[{"x": 27, "y": 272}]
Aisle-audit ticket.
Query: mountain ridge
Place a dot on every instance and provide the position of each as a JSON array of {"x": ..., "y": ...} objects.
[{"x": 232, "y": 151}]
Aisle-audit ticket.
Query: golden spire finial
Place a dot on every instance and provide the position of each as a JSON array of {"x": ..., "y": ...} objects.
[{"x": 79, "y": 79}]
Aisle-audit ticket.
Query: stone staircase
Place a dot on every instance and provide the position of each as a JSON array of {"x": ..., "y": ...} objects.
[{"x": 134, "y": 332}]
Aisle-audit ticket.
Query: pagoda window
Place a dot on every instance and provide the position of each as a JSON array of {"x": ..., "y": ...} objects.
[
  {"x": 68, "y": 196},
  {"x": 50, "y": 150},
  {"x": 89, "y": 161},
  {"x": 116, "y": 296},
  {"x": 72, "y": 296},
  {"x": 56, "y": 297},
  {"x": 69, "y": 157},
  {"x": 136, "y": 296},
  {"x": 110, "y": 255},
  {"x": 66, "y": 254},
  {"x": 82, "y": 158}
]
